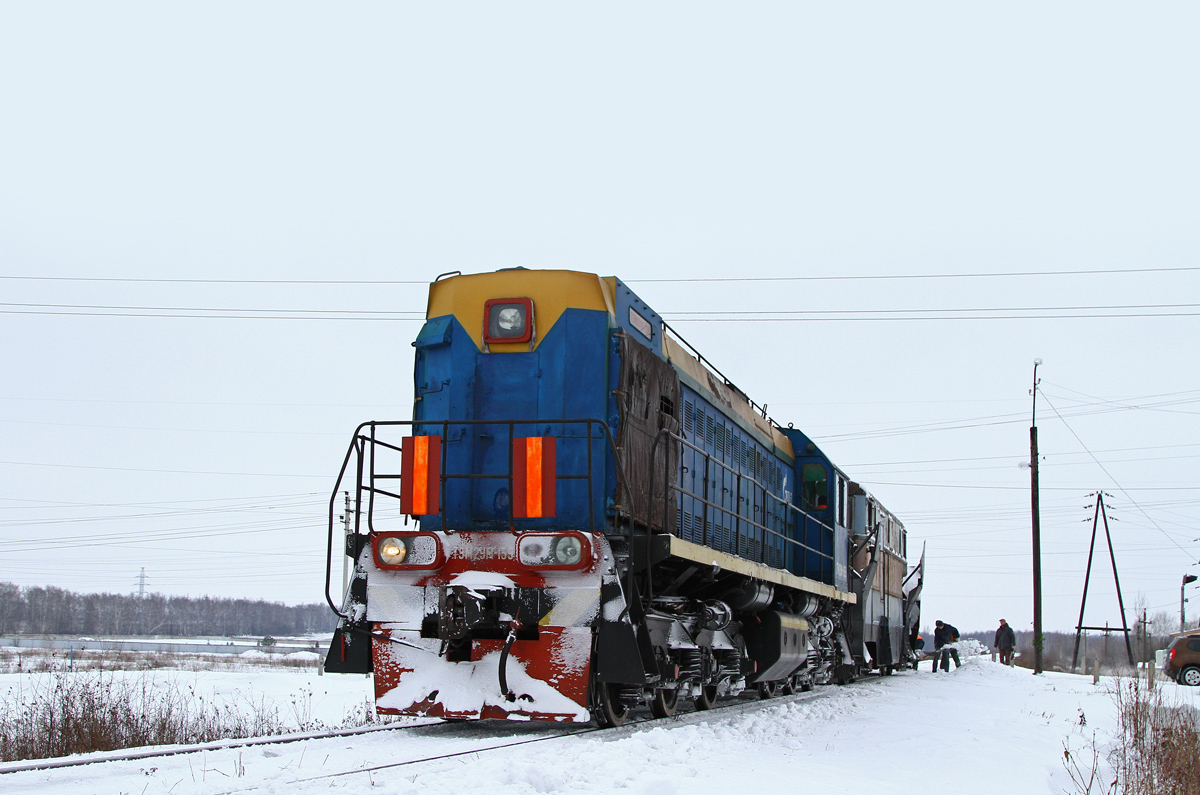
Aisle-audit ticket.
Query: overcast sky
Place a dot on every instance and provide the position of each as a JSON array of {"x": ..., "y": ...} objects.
[{"x": 392, "y": 142}]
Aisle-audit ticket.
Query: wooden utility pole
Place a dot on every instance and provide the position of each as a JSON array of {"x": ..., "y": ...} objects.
[{"x": 1038, "y": 640}]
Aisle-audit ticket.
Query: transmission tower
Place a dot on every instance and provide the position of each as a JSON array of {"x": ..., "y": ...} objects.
[{"x": 1079, "y": 627}]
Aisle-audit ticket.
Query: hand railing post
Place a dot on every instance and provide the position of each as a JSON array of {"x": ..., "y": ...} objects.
[
  {"x": 591, "y": 509},
  {"x": 371, "y": 494},
  {"x": 442, "y": 481}
]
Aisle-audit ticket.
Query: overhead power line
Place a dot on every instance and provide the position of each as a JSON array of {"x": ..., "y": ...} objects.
[
  {"x": 884, "y": 277},
  {"x": 1116, "y": 483},
  {"x": 170, "y": 471},
  {"x": 838, "y": 278},
  {"x": 747, "y": 316},
  {"x": 387, "y": 313},
  {"x": 786, "y": 314}
]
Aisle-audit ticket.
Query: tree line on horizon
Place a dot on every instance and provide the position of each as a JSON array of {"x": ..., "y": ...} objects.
[{"x": 47, "y": 610}]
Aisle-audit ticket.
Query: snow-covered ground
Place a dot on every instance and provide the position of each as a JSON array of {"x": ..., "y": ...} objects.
[{"x": 983, "y": 728}]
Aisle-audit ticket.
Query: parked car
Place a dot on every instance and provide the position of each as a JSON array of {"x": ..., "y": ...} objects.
[{"x": 1182, "y": 662}]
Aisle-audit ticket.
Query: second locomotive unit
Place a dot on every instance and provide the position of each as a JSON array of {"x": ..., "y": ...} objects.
[{"x": 584, "y": 515}]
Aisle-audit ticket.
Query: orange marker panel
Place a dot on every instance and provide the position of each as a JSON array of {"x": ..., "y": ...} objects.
[
  {"x": 534, "y": 477},
  {"x": 420, "y": 475}
]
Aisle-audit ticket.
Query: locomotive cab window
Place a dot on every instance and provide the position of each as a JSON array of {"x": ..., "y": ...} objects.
[
  {"x": 508, "y": 320},
  {"x": 815, "y": 487}
]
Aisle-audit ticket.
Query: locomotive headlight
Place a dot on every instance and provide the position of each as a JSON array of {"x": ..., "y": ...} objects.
[
  {"x": 567, "y": 550},
  {"x": 553, "y": 550},
  {"x": 416, "y": 551},
  {"x": 509, "y": 319},
  {"x": 533, "y": 552},
  {"x": 392, "y": 551}
]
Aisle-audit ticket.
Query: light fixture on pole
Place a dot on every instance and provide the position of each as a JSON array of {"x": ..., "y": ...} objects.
[
  {"x": 1038, "y": 640},
  {"x": 1182, "y": 618}
]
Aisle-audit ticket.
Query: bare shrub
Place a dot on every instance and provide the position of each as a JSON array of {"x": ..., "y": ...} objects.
[
  {"x": 1157, "y": 750},
  {"x": 65, "y": 713},
  {"x": 1083, "y": 766}
]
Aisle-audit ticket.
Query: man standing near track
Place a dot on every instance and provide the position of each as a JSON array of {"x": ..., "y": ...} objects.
[
  {"x": 943, "y": 635},
  {"x": 1004, "y": 642}
]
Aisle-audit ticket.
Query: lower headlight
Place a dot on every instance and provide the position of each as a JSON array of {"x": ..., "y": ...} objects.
[
  {"x": 567, "y": 550},
  {"x": 392, "y": 551},
  {"x": 551, "y": 550}
]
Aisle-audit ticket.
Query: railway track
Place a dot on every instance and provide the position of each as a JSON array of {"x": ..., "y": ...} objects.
[
  {"x": 216, "y": 745},
  {"x": 434, "y": 728},
  {"x": 743, "y": 704}
]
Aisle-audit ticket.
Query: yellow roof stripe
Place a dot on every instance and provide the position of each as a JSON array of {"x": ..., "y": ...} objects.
[{"x": 552, "y": 292}]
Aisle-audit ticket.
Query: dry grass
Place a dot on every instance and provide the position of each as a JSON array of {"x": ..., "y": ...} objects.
[
  {"x": 66, "y": 713},
  {"x": 63, "y": 713},
  {"x": 1158, "y": 747},
  {"x": 114, "y": 700},
  {"x": 1155, "y": 749}
]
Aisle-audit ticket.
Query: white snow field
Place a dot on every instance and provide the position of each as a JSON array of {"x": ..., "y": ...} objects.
[{"x": 982, "y": 728}]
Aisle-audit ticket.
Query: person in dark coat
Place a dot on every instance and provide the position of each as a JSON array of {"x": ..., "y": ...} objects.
[
  {"x": 943, "y": 635},
  {"x": 1004, "y": 642}
]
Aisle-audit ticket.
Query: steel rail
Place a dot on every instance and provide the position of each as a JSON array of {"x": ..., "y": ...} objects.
[{"x": 215, "y": 745}]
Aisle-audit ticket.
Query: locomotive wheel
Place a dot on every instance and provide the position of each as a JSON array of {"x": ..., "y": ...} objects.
[
  {"x": 768, "y": 689},
  {"x": 664, "y": 703},
  {"x": 707, "y": 698},
  {"x": 887, "y": 670},
  {"x": 797, "y": 684},
  {"x": 611, "y": 711}
]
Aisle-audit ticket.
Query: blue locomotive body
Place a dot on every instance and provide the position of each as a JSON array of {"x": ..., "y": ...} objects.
[{"x": 601, "y": 514}]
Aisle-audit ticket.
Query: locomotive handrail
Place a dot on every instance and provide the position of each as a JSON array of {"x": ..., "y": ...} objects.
[
  {"x": 360, "y": 442},
  {"x": 700, "y": 357},
  {"x": 707, "y": 503}
]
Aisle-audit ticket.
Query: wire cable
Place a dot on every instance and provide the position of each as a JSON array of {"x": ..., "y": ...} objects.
[
  {"x": 862, "y": 277},
  {"x": 1114, "y": 480}
]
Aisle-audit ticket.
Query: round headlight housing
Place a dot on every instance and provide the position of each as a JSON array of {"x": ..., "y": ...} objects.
[
  {"x": 567, "y": 550},
  {"x": 509, "y": 319},
  {"x": 392, "y": 550}
]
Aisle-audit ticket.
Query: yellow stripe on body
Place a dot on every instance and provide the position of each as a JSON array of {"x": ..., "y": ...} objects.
[
  {"x": 577, "y": 608},
  {"x": 759, "y": 571},
  {"x": 552, "y": 292}
]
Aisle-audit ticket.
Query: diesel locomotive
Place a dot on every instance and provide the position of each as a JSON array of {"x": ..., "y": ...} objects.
[{"x": 584, "y": 515}]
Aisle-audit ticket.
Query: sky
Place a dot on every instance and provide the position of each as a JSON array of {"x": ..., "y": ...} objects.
[{"x": 217, "y": 223}]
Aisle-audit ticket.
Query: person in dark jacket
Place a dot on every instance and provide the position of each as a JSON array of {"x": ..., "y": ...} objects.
[
  {"x": 1004, "y": 642},
  {"x": 943, "y": 635}
]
